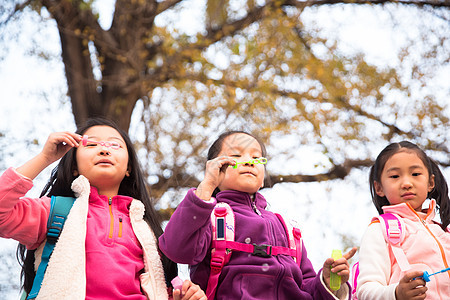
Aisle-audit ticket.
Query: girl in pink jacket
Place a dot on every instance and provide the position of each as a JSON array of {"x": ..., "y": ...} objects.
[
  {"x": 108, "y": 247},
  {"x": 401, "y": 179}
]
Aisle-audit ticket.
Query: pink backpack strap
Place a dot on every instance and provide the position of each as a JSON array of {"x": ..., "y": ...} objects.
[
  {"x": 394, "y": 235},
  {"x": 355, "y": 274},
  {"x": 222, "y": 222},
  {"x": 295, "y": 239}
]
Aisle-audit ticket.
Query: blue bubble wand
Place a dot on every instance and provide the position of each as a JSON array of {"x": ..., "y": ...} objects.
[{"x": 426, "y": 275}]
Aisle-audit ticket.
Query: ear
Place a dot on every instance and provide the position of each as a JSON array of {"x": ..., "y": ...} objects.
[
  {"x": 431, "y": 183},
  {"x": 75, "y": 173},
  {"x": 127, "y": 173},
  {"x": 378, "y": 189}
]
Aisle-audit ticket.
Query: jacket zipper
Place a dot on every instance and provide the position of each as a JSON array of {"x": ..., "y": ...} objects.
[
  {"x": 434, "y": 237},
  {"x": 255, "y": 209},
  {"x": 111, "y": 224}
]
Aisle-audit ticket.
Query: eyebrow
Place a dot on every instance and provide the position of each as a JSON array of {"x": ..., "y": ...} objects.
[
  {"x": 410, "y": 168},
  {"x": 108, "y": 139}
]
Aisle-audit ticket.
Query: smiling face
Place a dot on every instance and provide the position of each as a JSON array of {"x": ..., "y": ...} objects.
[
  {"x": 104, "y": 167},
  {"x": 248, "y": 178},
  {"x": 405, "y": 179}
]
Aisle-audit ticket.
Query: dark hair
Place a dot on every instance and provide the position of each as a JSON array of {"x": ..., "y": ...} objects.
[
  {"x": 439, "y": 192},
  {"x": 134, "y": 186},
  {"x": 216, "y": 147}
]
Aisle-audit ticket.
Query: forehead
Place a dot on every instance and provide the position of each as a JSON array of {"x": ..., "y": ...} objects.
[
  {"x": 103, "y": 131},
  {"x": 406, "y": 159},
  {"x": 241, "y": 141}
]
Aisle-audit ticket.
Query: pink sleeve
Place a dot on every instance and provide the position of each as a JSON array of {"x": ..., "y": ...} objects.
[{"x": 21, "y": 218}]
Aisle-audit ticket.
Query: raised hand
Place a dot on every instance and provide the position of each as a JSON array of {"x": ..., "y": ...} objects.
[
  {"x": 57, "y": 144},
  {"x": 214, "y": 173}
]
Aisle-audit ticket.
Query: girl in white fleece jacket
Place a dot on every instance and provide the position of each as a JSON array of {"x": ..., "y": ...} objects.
[{"x": 401, "y": 179}]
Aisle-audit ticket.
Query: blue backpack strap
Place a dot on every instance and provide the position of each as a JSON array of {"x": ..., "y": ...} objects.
[{"x": 59, "y": 209}]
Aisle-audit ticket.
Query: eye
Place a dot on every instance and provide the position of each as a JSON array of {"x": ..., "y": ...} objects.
[
  {"x": 393, "y": 176},
  {"x": 115, "y": 145},
  {"x": 262, "y": 160},
  {"x": 91, "y": 144},
  {"x": 416, "y": 174},
  {"x": 235, "y": 155}
]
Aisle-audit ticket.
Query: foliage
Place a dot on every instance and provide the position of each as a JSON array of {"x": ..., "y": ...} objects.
[{"x": 254, "y": 65}]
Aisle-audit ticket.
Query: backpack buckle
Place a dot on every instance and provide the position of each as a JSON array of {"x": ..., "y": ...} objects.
[
  {"x": 262, "y": 250},
  {"x": 55, "y": 228},
  {"x": 217, "y": 263}
]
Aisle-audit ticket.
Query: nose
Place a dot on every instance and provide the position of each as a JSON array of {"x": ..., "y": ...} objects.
[
  {"x": 250, "y": 162},
  {"x": 105, "y": 151},
  {"x": 406, "y": 183}
]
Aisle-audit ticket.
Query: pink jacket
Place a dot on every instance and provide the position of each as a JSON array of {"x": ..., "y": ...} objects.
[
  {"x": 102, "y": 250},
  {"x": 427, "y": 248}
]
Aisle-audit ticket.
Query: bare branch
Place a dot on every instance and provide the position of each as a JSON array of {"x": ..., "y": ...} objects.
[
  {"x": 303, "y": 4},
  {"x": 17, "y": 8}
]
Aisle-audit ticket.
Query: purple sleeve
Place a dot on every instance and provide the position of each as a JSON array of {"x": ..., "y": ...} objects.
[
  {"x": 21, "y": 218},
  {"x": 187, "y": 236}
]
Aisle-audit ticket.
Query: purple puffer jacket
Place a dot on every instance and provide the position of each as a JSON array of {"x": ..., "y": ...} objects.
[{"x": 187, "y": 240}]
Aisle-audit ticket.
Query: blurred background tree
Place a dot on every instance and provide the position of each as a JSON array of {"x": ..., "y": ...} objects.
[{"x": 253, "y": 66}]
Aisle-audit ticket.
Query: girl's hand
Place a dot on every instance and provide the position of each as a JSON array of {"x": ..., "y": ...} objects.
[
  {"x": 58, "y": 143},
  {"x": 189, "y": 291},
  {"x": 339, "y": 266},
  {"x": 214, "y": 173},
  {"x": 55, "y": 147},
  {"x": 410, "y": 288}
]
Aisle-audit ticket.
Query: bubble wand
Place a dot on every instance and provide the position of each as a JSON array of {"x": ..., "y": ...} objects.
[
  {"x": 426, "y": 275},
  {"x": 113, "y": 145},
  {"x": 261, "y": 160},
  {"x": 335, "y": 279}
]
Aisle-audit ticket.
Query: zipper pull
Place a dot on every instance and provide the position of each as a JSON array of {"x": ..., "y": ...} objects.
[
  {"x": 110, "y": 201},
  {"x": 120, "y": 227},
  {"x": 255, "y": 208}
]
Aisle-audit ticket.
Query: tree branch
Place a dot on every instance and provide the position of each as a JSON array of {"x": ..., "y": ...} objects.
[
  {"x": 165, "y": 5},
  {"x": 303, "y": 4}
]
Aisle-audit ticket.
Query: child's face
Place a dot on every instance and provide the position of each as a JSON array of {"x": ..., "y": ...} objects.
[
  {"x": 405, "y": 178},
  {"x": 103, "y": 166},
  {"x": 247, "y": 178}
]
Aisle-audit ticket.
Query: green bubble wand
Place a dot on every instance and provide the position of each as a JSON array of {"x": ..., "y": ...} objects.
[{"x": 261, "y": 160}]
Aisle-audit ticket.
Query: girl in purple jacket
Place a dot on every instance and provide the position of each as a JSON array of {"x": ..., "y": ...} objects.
[{"x": 232, "y": 176}]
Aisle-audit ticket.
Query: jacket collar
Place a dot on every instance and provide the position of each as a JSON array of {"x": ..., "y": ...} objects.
[
  {"x": 232, "y": 196},
  {"x": 121, "y": 202},
  {"x": 406, "y": 211}
]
